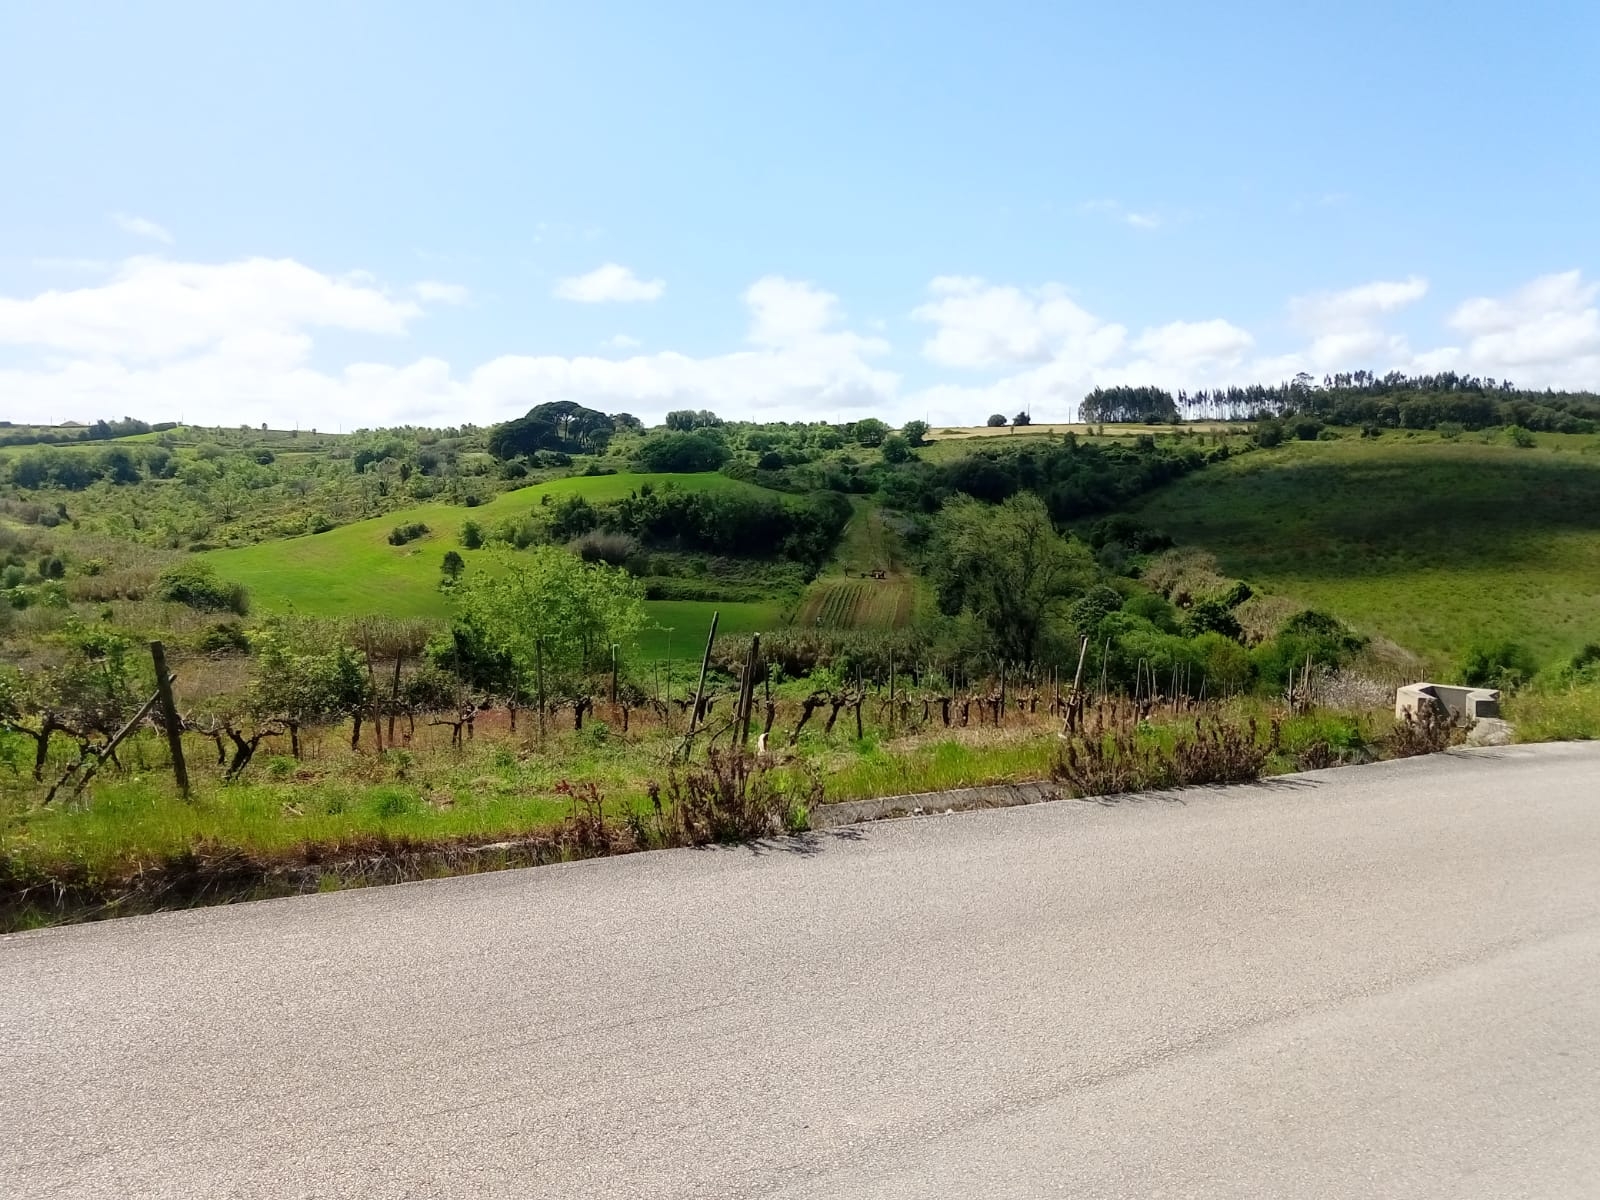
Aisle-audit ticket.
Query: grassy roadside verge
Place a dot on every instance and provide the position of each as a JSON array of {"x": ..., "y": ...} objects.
[{"x": 342, "y": 819}]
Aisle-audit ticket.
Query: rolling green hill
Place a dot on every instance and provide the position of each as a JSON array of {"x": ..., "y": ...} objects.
[
  {"x": 1432, "y": 543},
  {"x": 354, "y": 571}
]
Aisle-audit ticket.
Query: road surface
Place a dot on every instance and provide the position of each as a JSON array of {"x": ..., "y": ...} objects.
[{"x": 1379, "y": 981}]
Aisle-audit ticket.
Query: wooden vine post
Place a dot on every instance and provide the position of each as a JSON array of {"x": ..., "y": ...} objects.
[
  {"x": 747, "y": 696},
  {"x": 170, "y": 721},
  {"x": 538, "y": 673},
  {"x": 705, "y": 664}
]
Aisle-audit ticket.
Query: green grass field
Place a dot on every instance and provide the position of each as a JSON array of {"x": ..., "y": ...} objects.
[
  {"x": 353, "y": 571},
  {"x": 1431, "y": 543}
]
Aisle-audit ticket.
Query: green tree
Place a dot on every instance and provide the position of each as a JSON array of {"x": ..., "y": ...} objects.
[
  {"x": 896, "y": 449},
  {"x": 915, "y": 432},
  {"x": 869, "y": 432},
  {"x": 681, "y": 452},
  {"x": 1008, "y": 567},
  {"x": 1146, "y": 405},
  {"x": 996, "y": 420},
  {"x": 547, "y": 609},
  {"x": 1022, "y": 418},
  {"x": 453, "y": 565},
  {"x": 305, "y": 673}
]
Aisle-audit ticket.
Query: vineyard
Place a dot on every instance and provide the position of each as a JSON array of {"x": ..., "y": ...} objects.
[{"x": 857, "y": 604}]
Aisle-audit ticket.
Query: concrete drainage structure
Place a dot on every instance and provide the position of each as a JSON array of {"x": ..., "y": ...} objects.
[
  {"x": 1462, "y": 703},
  {"x": 1476, "y": 708}
]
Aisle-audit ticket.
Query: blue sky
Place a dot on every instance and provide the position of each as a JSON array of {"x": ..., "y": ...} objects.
[{"x": 345, "y": 214}]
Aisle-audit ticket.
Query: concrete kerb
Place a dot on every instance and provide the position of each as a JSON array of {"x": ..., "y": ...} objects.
[{"x": 1005, "y": 795}]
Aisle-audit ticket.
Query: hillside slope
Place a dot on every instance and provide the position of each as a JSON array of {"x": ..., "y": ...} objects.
[
  {"x": 354, "y": 571},
  {"x": 1434, "y": 544}
]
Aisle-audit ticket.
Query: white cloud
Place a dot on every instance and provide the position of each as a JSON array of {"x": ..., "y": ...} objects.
[
  {"x": 142, "y": 227},
  {"x": 1546, "y": 333},
  {"x": 621, "y": 341},
  {"x": 1347, "y": 326},
  {"x": 1355, "y": 309},
  {"x": 237, "y": 341},
  {"x": 980, "y": 324},
  {"x": 1145, "y": 219},
  {"x": 155, "y": 309},
  {"x": 1057, "y": 349},
  {"x": 430, "y": 291},
  {"x": 234, "y": 342},
  {"x": 1195, "y": 342},
  {"x": 610, "y": 283}
]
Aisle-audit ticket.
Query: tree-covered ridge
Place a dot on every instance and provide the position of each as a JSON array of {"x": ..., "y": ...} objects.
[{"x": 1393, "y": 401}]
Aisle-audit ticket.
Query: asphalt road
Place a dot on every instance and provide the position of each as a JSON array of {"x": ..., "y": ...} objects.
[{"x": 1380, "y": 981}]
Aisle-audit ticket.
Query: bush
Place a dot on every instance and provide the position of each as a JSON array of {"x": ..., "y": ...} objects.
[
  {"x": 1217, "y": 751},
  {"x": 733, "y": 797},
  {"x": 681, "y": 452},
  {"x": 1521, "y": 438},
  {"x": 1269, "y": 434},
  {"x": 225, "y": 637},
  {"x": 1427, "y": 732},
  {"x": 596, "y": 546},
  {"x": 1505, "y": 665},
  {"x": 996, "y": 420},
  {"x": 1153, "y": 608},
  {"x": 195, "y": 584},
  {"x": 1212, "y": 616},
  {"x": 471, "y": 535},
  {"x": 401, "y": 534}
]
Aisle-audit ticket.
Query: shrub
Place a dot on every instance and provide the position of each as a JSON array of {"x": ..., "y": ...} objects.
[
  {"x": 1219, "y": 752},
  {"x": 682, "y": 452},
  {"x": 471, "y": 535},
  {"x": 1269, "y": 434},
  {"x": 1584, "y": 666},
  {"x": 195, "y": 584},
  {"x": 1216, "y": 751},
  {"x": 1306, "y": 429},
  {"x": 1427, "y": 732},
  {"x": 996, "y": 420},
  {"x": 224, "y": 637},
  {"x": 734, "y": 797},
  {"x": 410, "y": 532},
  {"x": 1212, "y": 616},
  {"x": 1153, "y": 608},
  {"x": 596, "y": 546},
  {"x": 1520, "y": 437},
  {"x": 1310, "y": 634},
  {"x": 1505, "y": 665}
]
